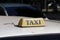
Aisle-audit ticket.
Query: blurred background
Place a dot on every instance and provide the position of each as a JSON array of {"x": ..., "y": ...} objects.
[{"x": 37, "y": 8}]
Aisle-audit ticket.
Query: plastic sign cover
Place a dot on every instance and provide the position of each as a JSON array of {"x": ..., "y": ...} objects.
[{"x": 31, "y": 22}]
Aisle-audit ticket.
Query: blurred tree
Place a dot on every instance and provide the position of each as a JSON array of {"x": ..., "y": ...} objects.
[{"x": 9, "y": 1}]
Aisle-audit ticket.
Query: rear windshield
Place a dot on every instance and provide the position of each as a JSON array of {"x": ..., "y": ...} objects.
[{"x": 21, "y": 11}]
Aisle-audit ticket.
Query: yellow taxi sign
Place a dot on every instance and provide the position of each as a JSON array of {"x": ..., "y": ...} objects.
[{"x": 31, "y": 22}]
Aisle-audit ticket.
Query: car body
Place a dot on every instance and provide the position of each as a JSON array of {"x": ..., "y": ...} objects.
[{"x": 16, "y": 9}]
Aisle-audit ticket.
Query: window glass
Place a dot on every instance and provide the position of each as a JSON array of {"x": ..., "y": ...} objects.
[{"x": 2, "y": 11}]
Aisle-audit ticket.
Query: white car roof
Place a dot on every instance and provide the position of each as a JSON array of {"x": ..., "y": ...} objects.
[{"x": 7, "y": 29}]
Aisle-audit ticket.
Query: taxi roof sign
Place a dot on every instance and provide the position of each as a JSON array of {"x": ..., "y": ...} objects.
[{"x": 31, "y": 22}]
